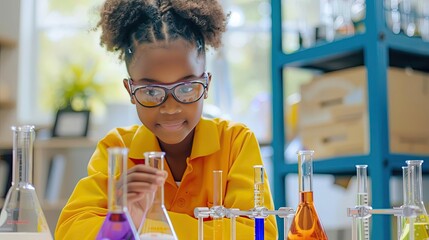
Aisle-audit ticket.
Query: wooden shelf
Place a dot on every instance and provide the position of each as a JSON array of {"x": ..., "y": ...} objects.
[
  {"x": 7, "y": 104},
  {"x": 58, "y": 143},
  {"x": 7, "y": 42}
]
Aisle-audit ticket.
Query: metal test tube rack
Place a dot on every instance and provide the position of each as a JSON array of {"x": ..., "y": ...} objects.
[
  {"x": 364, "y": 211},
  {"x": 220, "y": 211}
]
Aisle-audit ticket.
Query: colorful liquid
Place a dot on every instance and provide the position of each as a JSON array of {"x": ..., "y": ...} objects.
[
  {"x": 116, "y": 226},
  {"x": 421, "y": 229},
  {"x": 306, "y": 225},
  {"x": 259, "y": 228}
]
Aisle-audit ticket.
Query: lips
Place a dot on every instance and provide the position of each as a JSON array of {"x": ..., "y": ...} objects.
[{"x": 172, "y": 126}]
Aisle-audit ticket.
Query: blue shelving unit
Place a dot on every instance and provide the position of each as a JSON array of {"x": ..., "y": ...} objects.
[{"x": 376, "y": 48}]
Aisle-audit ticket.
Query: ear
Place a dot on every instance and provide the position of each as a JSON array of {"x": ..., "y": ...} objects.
[
  {"x": 128, "y": 88},
  {"x": 206, "y": 93}
]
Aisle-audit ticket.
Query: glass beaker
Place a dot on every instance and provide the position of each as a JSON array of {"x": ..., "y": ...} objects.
[
  {"x": 22, "y": 212},
  {"x": 306, "y": 223},
  {"x": 414, "y": 197},
  {"x": 118, "y": 224},
  {"x": 362, "y": 224},
  {"x": 156, "y": 223}
]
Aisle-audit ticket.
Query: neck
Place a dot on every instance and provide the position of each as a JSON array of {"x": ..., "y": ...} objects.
[{"x": 180, "y": 150}]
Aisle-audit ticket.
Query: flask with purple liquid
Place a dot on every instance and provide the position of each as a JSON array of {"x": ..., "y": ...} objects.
[{"x": 118, "y": 224}]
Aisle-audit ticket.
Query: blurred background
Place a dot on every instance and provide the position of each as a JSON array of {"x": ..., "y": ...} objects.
[{"x": 51, "y": 59}]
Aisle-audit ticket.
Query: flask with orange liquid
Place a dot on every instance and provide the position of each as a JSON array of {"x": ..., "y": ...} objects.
[{"x": 306, "y": 224}]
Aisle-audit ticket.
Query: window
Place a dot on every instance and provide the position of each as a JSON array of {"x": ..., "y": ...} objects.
[{"x": 65, "y": 47}]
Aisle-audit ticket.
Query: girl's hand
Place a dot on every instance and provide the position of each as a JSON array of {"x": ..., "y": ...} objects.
[{"x": 142, "y": 183}]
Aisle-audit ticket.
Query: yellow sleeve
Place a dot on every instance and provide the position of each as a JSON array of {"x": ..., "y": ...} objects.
[
  {"x": 86, "y": 208},
  {"x": 240, "y": 184}
]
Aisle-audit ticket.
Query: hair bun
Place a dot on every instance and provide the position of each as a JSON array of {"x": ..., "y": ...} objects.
[{"x": 207, "y": 15}]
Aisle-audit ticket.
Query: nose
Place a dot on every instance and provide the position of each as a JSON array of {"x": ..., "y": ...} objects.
[{"x": 170, "y": 106}]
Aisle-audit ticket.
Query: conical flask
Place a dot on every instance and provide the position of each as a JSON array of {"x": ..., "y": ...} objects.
[
  {"x": 156, "y": 223},
  {"x": 306, "y": 224},
  {"x": 414, "y": 196},
  {"x": 118, "y": 224},
  {"x": 21, "y": 213}
]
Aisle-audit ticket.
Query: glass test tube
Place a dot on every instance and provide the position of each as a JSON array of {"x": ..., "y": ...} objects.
[
  {"x": 362, "y": 200},
  {"x": 217, "y": 204},
  {"x": 258, "y": 195},
  {"x": 118, "y": 224}
]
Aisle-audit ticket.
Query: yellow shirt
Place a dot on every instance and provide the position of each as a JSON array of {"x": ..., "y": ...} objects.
[{"x": 218, "y": 145}]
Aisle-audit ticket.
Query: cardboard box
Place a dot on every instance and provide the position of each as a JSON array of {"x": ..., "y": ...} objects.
[
  {"x": 337, "y": 139},
  {"x": 333, "y": 117},
  {"x": 408, "y": 111},
  {"x": 331, "y": 97}
]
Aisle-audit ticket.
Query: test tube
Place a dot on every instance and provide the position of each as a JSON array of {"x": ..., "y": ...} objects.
[
  {"x": 217, "y": 204},
  {"x": 258, "y": 196},
  {"x": 362, "y": 200}
]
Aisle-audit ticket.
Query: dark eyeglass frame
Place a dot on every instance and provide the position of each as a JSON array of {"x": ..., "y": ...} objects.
[{"x": 169, "y": 89}]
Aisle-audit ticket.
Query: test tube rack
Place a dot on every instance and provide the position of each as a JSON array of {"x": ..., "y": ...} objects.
[{"x": 232, "y": 213}]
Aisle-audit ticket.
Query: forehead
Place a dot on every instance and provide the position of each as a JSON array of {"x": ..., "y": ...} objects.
[{"x": 156, "y": 60}]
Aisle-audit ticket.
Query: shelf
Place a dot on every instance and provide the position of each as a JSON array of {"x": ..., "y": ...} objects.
[
  {"x": 340, "y": 54},
  {"x": 416, "y": 61},
  {"x": 403, "y": 43},
  {"x": 396, "y": 161},
  {"x": 64, "y": 143},
  {"x": 4, "y": 104},
  {"x": 346, "y": 165},
  {"x": 5, "y": 145},
  {"x": 338, "y": 166},
  {"x": 7, "y": 42}
]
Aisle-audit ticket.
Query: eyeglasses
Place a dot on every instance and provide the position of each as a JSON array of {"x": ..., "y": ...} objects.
[{"x": 184, "y": 92}]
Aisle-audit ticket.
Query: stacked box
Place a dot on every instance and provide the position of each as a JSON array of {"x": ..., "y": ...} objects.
[{"x": 333, "y": 116}]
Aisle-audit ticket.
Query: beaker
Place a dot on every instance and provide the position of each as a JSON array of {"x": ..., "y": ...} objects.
[
  {"x": 361, "y": 225},
  {"x": 306, "y": 224},
  {"x": 414, "y": 197},
  {"x": 22, "y": 212},
  {"x": 156, "y": 223},
  {"x": 118, "y": 224}
]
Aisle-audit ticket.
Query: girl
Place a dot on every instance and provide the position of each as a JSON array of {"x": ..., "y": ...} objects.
[{"x": 163, "y": 44}]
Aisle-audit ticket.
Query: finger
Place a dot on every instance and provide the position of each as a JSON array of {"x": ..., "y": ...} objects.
[
  {"x": 141, "y": 187},
  {"x": 145, "y": 177},
  {"x": 145, "y": 169}
]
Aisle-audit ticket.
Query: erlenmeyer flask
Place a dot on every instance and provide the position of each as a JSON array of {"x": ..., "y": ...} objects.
[
  {"x": 117, "y": 224},
  {"x": 156, "y": 224},
  {"x": 21, "y": 213},
  {"x": 414, "y": 198},
  {"x": 306, "y": 224}
]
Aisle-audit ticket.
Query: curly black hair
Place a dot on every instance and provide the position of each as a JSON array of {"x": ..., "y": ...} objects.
[{"x": 128, "y": 23}]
